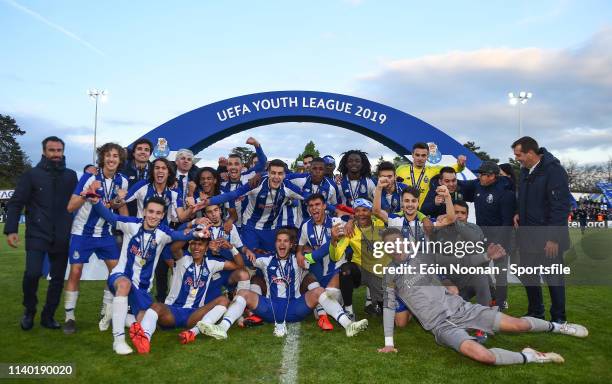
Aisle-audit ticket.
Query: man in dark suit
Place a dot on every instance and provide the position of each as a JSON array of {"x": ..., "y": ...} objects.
[
  {"x": 543, "y": 235},
  {"x": 44, "y": 191}
]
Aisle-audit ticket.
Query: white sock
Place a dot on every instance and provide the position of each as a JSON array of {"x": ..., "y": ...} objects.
[
  {"x": 195, "y": 330},
  {"x": 149, "y": 322},
  {"x": 556, "y": 327},
  {"x": 120, "y": 307},
  {"x": 107, "y": 298},
  {"x": 233, "y": 312},
  {"x": 129, "y": 320},
  {"x": 256, "y": 288},
  {"x": 243, "y": 284},
  {"x": 70, "y": 300},
  {"x": 319, "y": 310},
  {"x": 368, "y": 300},
  {"x": 332, "y": 307},
  {"x": 314, "y": 285},
  {"x": 349, "y": 309},
  {"x": 212, "y": 316}
]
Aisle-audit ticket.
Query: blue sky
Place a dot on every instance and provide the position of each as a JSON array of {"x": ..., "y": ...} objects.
[{"x": 449, "y": 63}]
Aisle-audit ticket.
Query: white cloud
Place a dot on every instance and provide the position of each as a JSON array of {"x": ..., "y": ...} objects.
[{"x": 464, "y": 93}]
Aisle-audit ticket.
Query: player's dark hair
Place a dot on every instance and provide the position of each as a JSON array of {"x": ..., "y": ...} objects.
[
  {"x": 527, "y": 144},
  {"x": 143, "y": 140},
  {"x": 277, "y": 163},
  {"x": 447, "y": 170},
  {"x": 307, "y": 155},
  {"x": 171, "y": 171},
  {"x": 87, "y": 166},
  {"x": 366, "y": 167},
  {"x": 462, "y": 203},
  {"x": 52, "y": 138},
  {"x": 420, "y": 145},
  {"x": 106, "y": 148},
  {"x": 317, "y": 160},
  {"x": 235, "y": 155},
  {"x": 291, "y": 232},
  {"x": 414, "y": 191},
  {"x": 390, "y": 232},
  {"x": 385, "y": 166},
  {"x": 315, "y": 196},
  {"x": 157, "y": 200},
  {"x": 216, "y": 176}
]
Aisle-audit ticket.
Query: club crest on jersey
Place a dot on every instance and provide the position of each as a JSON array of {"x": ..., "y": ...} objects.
[{"x": 490, "y": 198}]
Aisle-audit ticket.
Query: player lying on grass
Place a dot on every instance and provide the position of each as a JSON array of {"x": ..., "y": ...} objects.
[
  {"x": 449, "y": 317},
  {"x": 192, "y": 298},
  {"x": 284, "y": 302},
  {"x": 130, "y": 280}
]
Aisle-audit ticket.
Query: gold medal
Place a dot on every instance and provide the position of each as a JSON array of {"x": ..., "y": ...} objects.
[
  {"x": 143, "y": 262},
  {"x": 193, "y": 291}
]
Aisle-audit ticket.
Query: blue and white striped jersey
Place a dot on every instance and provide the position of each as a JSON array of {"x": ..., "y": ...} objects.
[
  {"x": 190, "y": 282},
  {"x": 233, "y": 237},
  {"x": 392, "y": 202},
  {"x": 140, "y": 250},
  {"x": 351, "y": 190},
  {"x": 326, "y": 187},
  {"x": 227, "y": 186},
  {"x": 316, "y": 236},
  {"x": 280, "y": 275},
  {"x": 143, "y": 191},
  {"x": 87, "y": 222},
  {"x": 265, "y": 205}
]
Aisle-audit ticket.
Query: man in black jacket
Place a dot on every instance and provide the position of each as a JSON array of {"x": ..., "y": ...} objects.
[
  {"x": 543, "y": 236},
  {"x": 44, "y": 191}
]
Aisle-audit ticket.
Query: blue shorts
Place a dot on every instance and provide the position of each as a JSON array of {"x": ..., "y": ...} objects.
[
  {"x": 399, "y": 305},
  {"x": 138, "y": 299},
  {"x": 258, "y": 238},
  {"x": 297, "y": 310},
  {"x": 324, "y": 280},
  {"x": 181, "y": 315},
  {"x": 215, "y": 288},
  {"x": 82, "y": 247}
]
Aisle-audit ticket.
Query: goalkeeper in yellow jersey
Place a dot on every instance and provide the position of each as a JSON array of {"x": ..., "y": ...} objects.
[{"x": 419, "y": 174}]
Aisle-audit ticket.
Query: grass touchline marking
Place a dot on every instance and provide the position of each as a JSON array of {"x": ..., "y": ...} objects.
[{"x": 291, "y": 355}]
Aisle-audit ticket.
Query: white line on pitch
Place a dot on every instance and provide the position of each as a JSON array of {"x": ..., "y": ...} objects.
[{"x": 291, "y": 355}]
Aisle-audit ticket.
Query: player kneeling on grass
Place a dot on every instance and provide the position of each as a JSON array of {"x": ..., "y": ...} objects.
[
  {"x": 190, "y": 299},
  {"x": 284, "y": 302},
  {"x": 449, "y": 317},
  {"x": 130, "y": 280}
]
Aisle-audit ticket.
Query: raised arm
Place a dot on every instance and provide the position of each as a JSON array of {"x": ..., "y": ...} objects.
[
  {"x": 229, "y": 196},
  {"x": 377, "y": 204}
]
